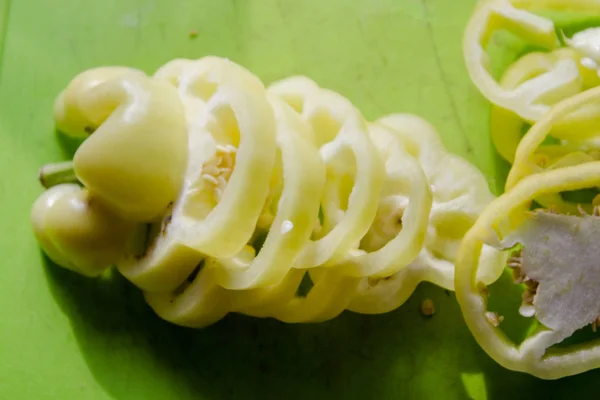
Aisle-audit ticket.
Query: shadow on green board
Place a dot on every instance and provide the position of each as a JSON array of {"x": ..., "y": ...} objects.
[
  {"x": 351, "y": 357},
  {"x": 68, "y": 145},
  {"x": 397, "y": 355}
]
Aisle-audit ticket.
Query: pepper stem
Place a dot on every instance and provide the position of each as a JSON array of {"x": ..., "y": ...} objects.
[{"x": 57, "y": 173}]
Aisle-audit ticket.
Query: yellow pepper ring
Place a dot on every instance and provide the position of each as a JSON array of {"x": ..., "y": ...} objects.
[
  {"x": 525, "y": 157},
  {"x": 298, "y": 209},
  {"x": 403, "y": 170},
  {"x": 229, "y": 226},
  {"x": 506, "y": 126},
  {"x": 496, "y": 14},
  {"x": 497, "y": 221},
  {"x": 338, "y": 126}
]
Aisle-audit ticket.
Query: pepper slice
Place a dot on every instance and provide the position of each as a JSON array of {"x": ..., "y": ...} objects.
[
  {"x": 354, "y": 168},
  {"x": 237, "y": 113},
  {"x": 508, "y": 221},
  {"x": 232, "y": 145}
]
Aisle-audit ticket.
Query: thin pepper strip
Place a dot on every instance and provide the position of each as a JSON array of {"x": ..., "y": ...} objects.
[
  {"x": 503, "y": 216},
  {"x": 236, "y": 103}
]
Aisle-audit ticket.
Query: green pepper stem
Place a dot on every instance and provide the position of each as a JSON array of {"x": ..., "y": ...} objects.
[{"x": 57, "y": 173}]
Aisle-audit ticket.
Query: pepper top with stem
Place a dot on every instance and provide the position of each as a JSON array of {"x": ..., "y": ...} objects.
[{"x": 135, "y": 159}]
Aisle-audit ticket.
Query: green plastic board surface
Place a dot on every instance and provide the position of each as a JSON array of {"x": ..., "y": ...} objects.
[{"x": 66, "y": 337}]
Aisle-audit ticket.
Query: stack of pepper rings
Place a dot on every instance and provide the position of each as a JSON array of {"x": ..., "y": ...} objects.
[
  {"x": 281, "y": 202},
  {"x": 546, "y": 221}
]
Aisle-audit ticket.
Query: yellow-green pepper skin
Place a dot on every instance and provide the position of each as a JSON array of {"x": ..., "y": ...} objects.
[
  {"x": 78, "y": 232},
  {"x": 70, "y": 116},
  {"x": 136, "y": 158}
]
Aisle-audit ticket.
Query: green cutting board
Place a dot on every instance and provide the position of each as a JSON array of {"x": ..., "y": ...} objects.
[{"x": 66, "y": 337}]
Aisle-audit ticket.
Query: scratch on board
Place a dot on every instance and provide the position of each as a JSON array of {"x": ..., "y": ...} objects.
[
  {"x": 444, "y": 78},
  {"x": 238, "y": 26},
  {"x": 290, "y": 37},
  {"x": 4, "y": 19}
]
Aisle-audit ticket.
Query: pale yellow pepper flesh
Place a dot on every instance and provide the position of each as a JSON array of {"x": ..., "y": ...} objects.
[{"x": 78, "y": 232}]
